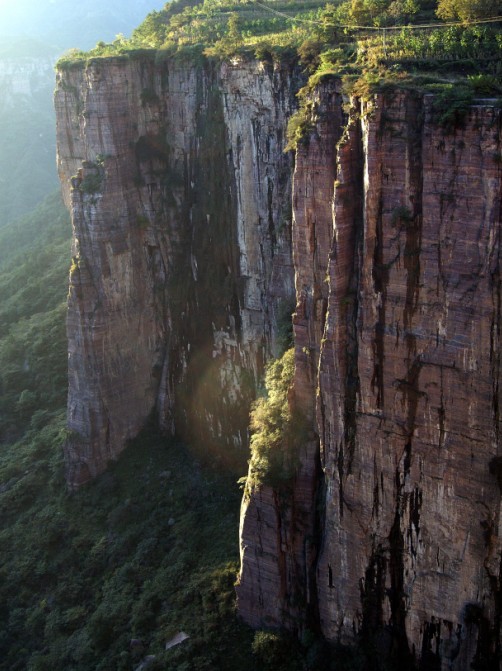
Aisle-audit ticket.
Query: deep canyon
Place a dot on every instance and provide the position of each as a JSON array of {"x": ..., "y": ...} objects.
[{"x": 195, "y": 233}]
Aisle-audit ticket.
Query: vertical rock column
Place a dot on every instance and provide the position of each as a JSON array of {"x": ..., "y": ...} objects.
[
  {"x": 279, "y": 525},
  {"x": 409, "y": 391},
  {"x": 115, "y": 330}
]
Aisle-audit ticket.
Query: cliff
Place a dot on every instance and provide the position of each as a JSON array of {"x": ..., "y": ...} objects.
[
  {"x": 399, "y": 351},
  {"x": 184, "y": 258},
  {"x": 180, "y": 196}
]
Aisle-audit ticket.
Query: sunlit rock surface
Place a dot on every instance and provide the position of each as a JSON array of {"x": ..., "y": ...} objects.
[{"x": 407, "y": 386}]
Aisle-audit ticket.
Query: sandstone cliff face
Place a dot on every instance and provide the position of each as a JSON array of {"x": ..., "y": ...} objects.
[
  {"x": 180, "y": 197},
  {"x": 280, "y": 529},
  {"x": 405, "y": 341}
]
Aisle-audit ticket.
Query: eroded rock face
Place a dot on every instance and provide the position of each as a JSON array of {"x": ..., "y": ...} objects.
[
  {"x": 412, "y": 511},
  {"x": 406, "y": 384},
  {"x": 280, "y": 529},
  {"x": 180, "y": 197}
]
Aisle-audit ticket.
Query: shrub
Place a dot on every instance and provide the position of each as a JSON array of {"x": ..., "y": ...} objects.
[
  {"x": 485, "y": 85},
  {"x": 91, "y": 183},
  {"x": 466, "y": 10},
  {"x": 452, "y": 104},
  {"x": 276, "y": 652},
  {"x": 298, "y": 127},
  {"x": 278, "y": 427}
]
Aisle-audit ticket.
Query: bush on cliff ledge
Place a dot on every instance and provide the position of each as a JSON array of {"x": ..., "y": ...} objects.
[{"x": 278, "y": 427}]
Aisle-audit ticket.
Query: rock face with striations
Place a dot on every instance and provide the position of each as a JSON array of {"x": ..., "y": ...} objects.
[
  {"x": 183, "y": 259},
  {"x": 179, "y": 190},
  {"x": 400, "y": 352}
]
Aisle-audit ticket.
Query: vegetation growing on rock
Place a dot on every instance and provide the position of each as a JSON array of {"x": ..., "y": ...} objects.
[
  {"x": 278, "y": 427},
  {"x": 354, "y": 36},
  {"x": 369, "y": 44}
]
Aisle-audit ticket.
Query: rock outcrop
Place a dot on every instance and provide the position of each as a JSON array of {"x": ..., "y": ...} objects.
[
  {"x": 180, "y": 191},
  {"x": 183, "y": 259}
]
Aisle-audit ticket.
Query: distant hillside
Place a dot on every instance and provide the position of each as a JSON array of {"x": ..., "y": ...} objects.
[
  {"x": 33, "y": 34},
  {"x": 27, "y": 131}
]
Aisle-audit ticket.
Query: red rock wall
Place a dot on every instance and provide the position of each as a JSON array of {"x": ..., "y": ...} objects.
[
  {"x": 279, "y": 529},
  {"x": 180, "y": 201},
  {"x": 278, "y": 550},
  {"x": 412, "y": 511},
  {"x": 407, "y": 386}
]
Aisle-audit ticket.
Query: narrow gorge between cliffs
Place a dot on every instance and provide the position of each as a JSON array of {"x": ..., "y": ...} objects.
[{"x": 195, "y": 233}]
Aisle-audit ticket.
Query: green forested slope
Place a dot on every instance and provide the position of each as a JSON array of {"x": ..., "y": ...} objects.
[
  {"x": 105, "y": 577},
  {"x": 34, "y": 259},
  {"x": 102, "y": 578},
  {"x": 147, "y": 550}
]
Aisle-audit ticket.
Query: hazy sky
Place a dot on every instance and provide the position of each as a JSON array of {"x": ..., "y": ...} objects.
[{"x": 68, "y": 23}]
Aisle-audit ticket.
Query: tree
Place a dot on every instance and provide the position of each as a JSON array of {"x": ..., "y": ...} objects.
[
  {"x": 230, "y": 43},
  {"x": 152, "y": 31},
  {"x": 279, "y": 428},
  {"x": 467, "y": 10},
  {"x": 403, "y": 11},
  {"x": 366, "y": 12},
  {"x": 234, "y": 34}
]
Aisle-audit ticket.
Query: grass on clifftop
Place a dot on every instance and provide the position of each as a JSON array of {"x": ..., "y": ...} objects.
[{"x": 368, "y": 43}]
